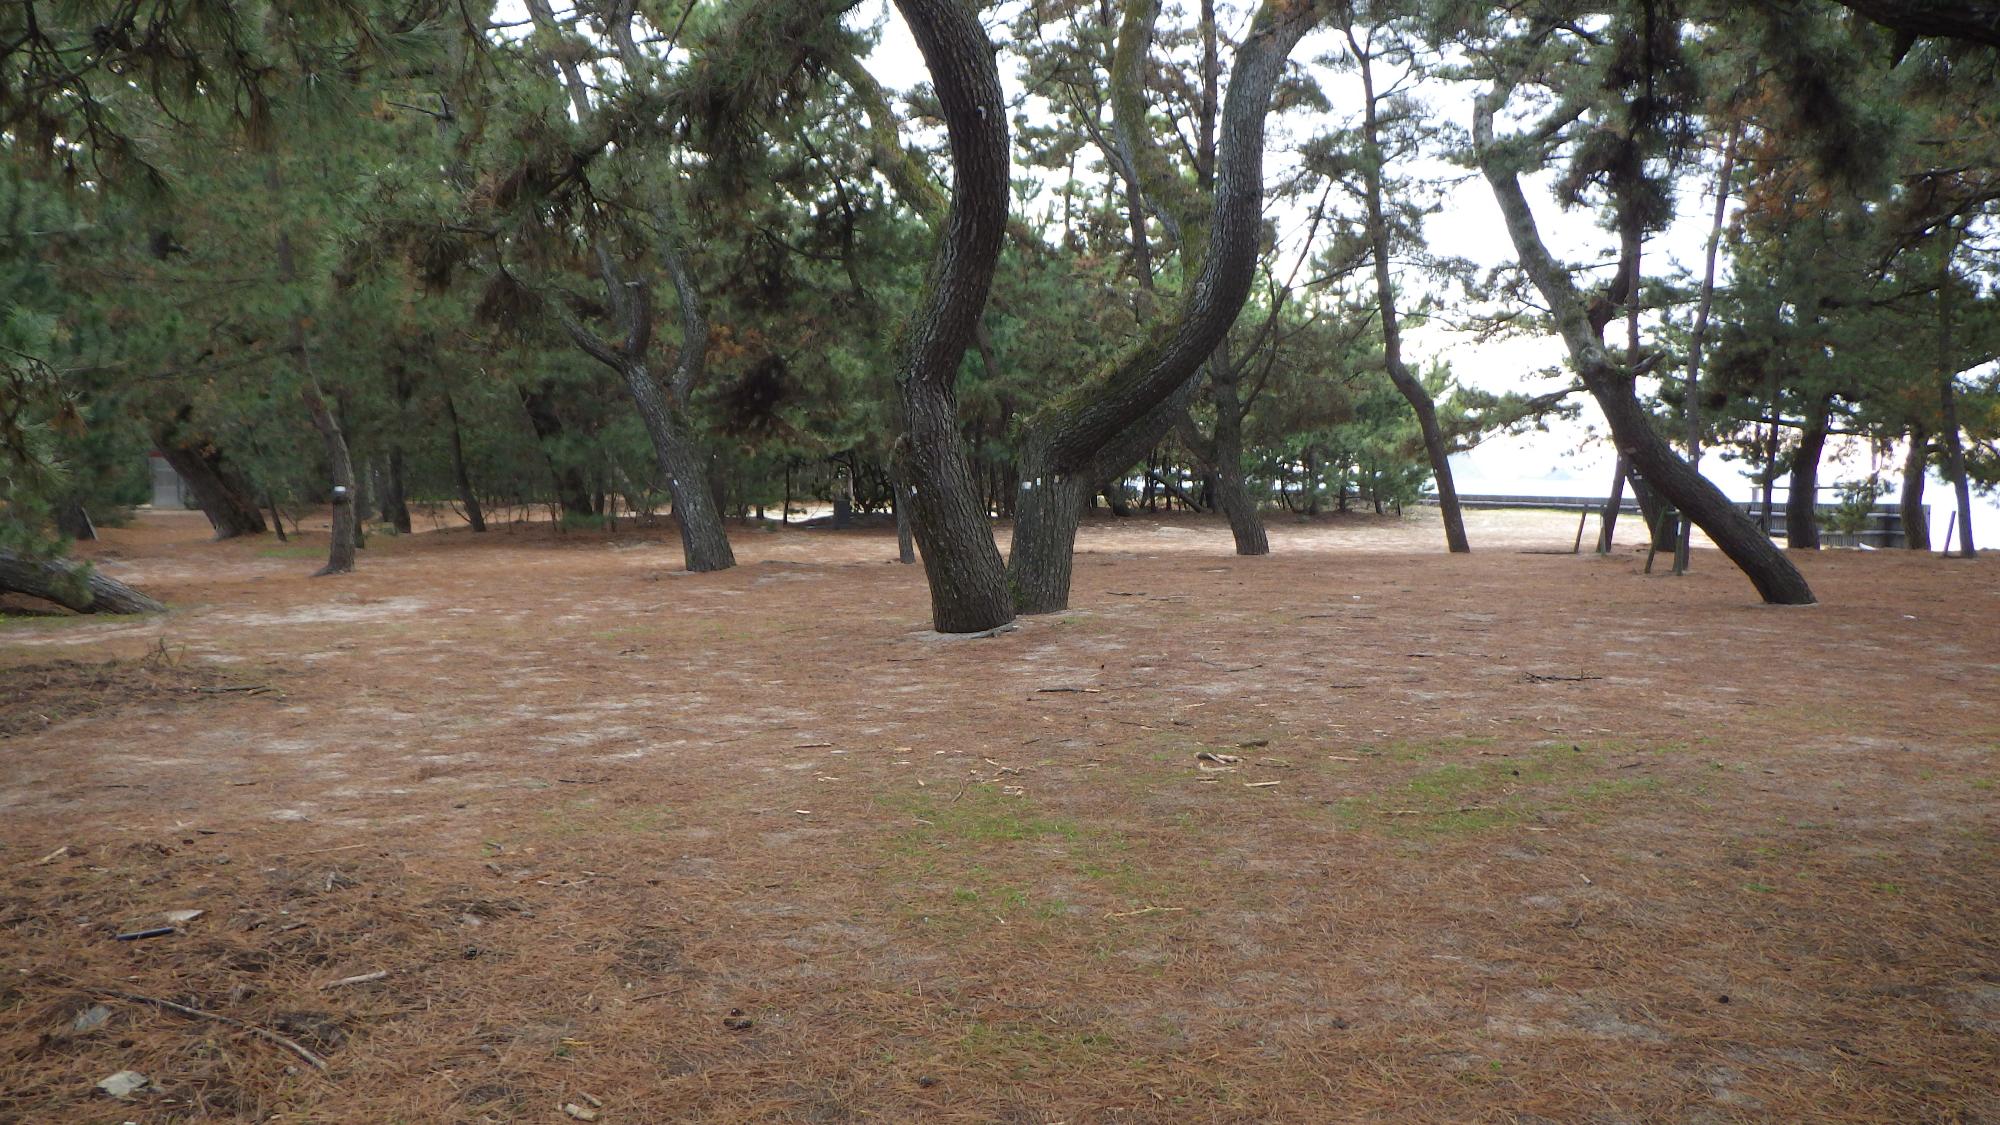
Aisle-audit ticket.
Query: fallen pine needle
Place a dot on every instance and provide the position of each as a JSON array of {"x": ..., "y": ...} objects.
[
  {"x": 1147, "y": 910},
  {"x": 364, "y": 978},
  {"x": 196, "y": 1013}
]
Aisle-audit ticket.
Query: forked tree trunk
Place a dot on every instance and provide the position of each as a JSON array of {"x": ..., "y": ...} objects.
[
  {"x": 71, "y": 586},
  {"x": 698, "y": 507},
  {"x": 962, "y": 564},
  {"x": 1064, "y": 442},
  {"x": 1614, "y": 387}
]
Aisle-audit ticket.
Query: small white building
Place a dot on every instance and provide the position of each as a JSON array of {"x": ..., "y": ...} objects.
[{"x": 170, "y": 492}]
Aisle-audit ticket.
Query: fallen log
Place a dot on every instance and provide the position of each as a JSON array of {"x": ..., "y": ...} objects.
[{"x": 71, "y": 585}]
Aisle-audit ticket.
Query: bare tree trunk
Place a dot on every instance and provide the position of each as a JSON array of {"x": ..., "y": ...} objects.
[
  {"x": 1632, "y": 427},
  {"x": 395, "y": 498},
  {"x": 1916, "y": 525},
  {"x": 1770, "y": 451},
  {"x": 70, "y": 585},
  {"x": 340, "y": 552},
  {"x": 1802, "y": 497},
  {"x": 346, "y": 526},
  {"x": 1232, "y": 493},
  {"x": 697, "y": 509},
  {"x": 1607, "y": 519},
  {"x": 1409, "y": 386},
  {"x": 1691, "y": 404},
  {"x": 1954, "y": 445},
  {"x": 906, "y": 549},
  {"x": 704, "y": 543}
]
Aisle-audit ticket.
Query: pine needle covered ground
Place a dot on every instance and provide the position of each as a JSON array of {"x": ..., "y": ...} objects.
[{"x": 1358, "y": 831}]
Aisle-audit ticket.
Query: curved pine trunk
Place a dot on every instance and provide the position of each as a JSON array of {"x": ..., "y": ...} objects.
[
  {"x": 71, "y": 586},
  {"x": 962, "y": 564},
  {"x": 1409, "y": 386}
]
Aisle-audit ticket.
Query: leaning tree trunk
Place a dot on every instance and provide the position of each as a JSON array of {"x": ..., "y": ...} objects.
[
  {"x": 697, "y": 506},
  {"x": 79, "y": 588},
  {"x": 1065, "y": 440},
  {"x": 221, "y": 492},
  {"x": 967, "y": 579},
  {"x": 1802, "y": 497},
  {"x": 1615, "y": 387},
  {"x": 460, "y": 477},
  {"x": 1916, "y": 525}
]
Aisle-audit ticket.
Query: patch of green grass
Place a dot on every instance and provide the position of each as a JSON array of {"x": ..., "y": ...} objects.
[
  {"x": 1464, "y": 798},
  {"x": 980, "y": 815},
  {"x": 55, "y": 620},
  {"x": 300, "y": 551},
  {"x": 1421, "y": 749},
  {"x": 1023, "y": 1048},
  {"x": 986, "y": 858},
  {"x": 588, "y": 816}
]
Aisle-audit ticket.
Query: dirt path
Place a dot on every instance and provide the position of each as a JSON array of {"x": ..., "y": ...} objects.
[{"x": 1512, "y": 837}]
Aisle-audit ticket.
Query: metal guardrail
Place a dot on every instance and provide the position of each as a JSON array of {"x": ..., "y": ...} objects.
[{"x": 1884, "y": 529}]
